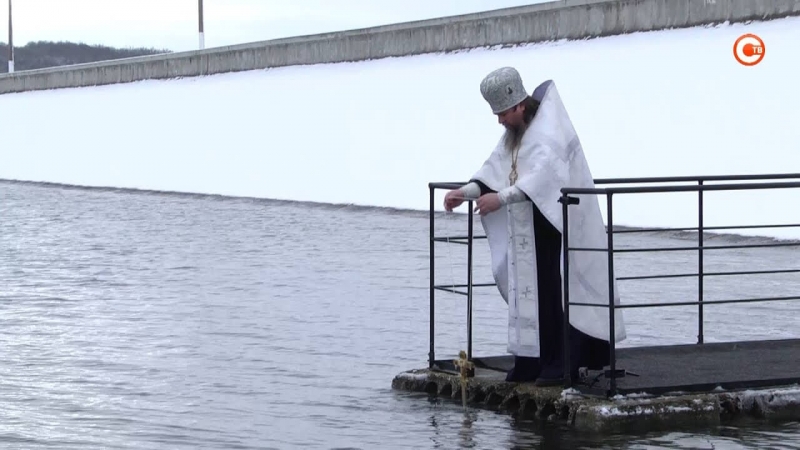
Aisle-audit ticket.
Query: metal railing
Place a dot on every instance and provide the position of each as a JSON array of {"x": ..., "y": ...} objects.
[{"x": 570, "y": 196}]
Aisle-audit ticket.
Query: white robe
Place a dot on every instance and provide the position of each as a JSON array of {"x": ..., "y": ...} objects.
[{"x": 550, "y": 157}]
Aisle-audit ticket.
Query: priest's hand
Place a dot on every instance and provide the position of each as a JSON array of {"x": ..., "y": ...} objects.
[
  {"x": 453, "y": 199},
  {"x": 488, "y": 203}
]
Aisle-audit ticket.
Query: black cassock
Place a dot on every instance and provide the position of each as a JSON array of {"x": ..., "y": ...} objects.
[{"x": 585, "y": 350}]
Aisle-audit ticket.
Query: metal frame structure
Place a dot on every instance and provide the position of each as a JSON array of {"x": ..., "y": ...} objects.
[{"x": 571, "y": 196}]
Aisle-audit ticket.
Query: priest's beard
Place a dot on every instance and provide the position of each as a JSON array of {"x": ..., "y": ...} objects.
[{"x": 513, "y": 136}]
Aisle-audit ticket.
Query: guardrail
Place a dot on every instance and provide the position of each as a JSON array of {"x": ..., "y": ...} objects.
[{"x": 571, "y": 196}]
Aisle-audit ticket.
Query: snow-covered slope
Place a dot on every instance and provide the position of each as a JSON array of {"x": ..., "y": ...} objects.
[{"x": 375, "y": 133}]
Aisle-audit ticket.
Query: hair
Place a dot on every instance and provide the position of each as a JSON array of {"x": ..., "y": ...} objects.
[{"x": 531, "y": 107}]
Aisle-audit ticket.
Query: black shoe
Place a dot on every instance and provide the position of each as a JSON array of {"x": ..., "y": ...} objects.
[
  {"x": 551, "y": 375},
  {"x": 525, "y": 369},
  {"x": 545, "y": 382}
]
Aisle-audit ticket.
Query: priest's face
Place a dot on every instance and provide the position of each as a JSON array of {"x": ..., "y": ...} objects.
[
  {"x": 514, "y": 121},
  {"x": 512, "y": 118}
]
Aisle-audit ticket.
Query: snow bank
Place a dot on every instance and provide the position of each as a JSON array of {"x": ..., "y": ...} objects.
[{"x": 375, "y": 133}]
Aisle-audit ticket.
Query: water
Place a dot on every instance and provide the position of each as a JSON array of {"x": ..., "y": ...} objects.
[{"x": 146, "y": 320}]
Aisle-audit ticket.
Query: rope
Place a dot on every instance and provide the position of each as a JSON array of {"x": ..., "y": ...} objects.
[
  {"x": 449, "y": 251},
  {"x": 448, "y": 221},
  {"x": 462, "y": 363}
]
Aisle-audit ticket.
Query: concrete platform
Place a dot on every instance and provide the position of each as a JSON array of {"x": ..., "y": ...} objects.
[
  {"x": 702, "y": 368},
  {"x": 687, "y": 368},
  {"x": 677, "y": 387}
]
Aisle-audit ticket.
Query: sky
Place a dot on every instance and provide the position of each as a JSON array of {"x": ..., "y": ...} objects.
[
  {"x": 672, "y": 103},
  {"x": 173, "y": 24}
]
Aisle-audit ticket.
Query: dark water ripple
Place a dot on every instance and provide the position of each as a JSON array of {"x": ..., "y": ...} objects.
[{"x": 141, "y": 320}]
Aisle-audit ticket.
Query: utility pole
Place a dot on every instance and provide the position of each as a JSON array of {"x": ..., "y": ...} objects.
[
  {"x": 10, "y": 41},
  {"x": 200, "y": 18}
]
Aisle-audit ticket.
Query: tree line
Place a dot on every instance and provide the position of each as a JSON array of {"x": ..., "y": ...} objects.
[{"x": 42, "y": 54}]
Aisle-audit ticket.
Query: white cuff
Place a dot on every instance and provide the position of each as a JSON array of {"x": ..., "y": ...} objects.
[
  {"x": 471, "y": 191},
  {"x": 511, "y": 194}
]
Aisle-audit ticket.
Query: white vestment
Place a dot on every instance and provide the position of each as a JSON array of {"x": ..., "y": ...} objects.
[{"x": 550, "y": 157}]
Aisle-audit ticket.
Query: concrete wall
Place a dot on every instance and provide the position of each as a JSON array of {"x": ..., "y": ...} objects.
[{"x": 563, "y": 19}]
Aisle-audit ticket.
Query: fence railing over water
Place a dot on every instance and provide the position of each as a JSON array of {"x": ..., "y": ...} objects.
[{"x": 571, "y": 196}]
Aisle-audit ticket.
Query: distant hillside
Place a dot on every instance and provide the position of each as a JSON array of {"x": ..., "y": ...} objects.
[{"x": 37, "y": 55}]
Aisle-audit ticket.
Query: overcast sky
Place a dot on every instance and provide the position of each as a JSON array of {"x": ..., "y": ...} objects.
[{"x": 173, "y": 24}]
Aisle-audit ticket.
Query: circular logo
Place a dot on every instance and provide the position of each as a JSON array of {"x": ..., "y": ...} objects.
[{"x": 749, "y": 49}]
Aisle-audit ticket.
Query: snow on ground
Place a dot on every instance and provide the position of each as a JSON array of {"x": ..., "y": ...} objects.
[{"x": 648, "y": 104}]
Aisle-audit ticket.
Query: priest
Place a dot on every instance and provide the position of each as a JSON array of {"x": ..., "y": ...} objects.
[{"x": 517, "y": 191}]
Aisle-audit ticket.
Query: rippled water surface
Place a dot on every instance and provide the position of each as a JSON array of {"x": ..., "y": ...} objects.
[{"x": 143, "y": 320}]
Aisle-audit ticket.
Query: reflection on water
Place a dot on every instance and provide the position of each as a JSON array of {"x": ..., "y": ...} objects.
[{"x": 141, "y": 320}]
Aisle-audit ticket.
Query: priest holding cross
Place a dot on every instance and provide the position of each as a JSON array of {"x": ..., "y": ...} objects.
[{"x": 517, "y": 190}]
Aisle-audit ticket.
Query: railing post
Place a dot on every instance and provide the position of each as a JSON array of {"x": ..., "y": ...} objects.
[
  {"x": 469, "y": 282},
  {"x": 700, "y": 263},
  {"x": 565, "y": 201},
  {"x": 611, "y": 329},
  {"x": 432, "y": 290}
]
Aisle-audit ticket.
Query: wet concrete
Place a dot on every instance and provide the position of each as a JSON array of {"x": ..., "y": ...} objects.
[{"x": 487, "y": 389}]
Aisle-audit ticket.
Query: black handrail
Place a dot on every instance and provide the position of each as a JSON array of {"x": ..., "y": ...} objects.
[
  {"x": 645, "y": 180},
  {"x": 570, "y": 197}
]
